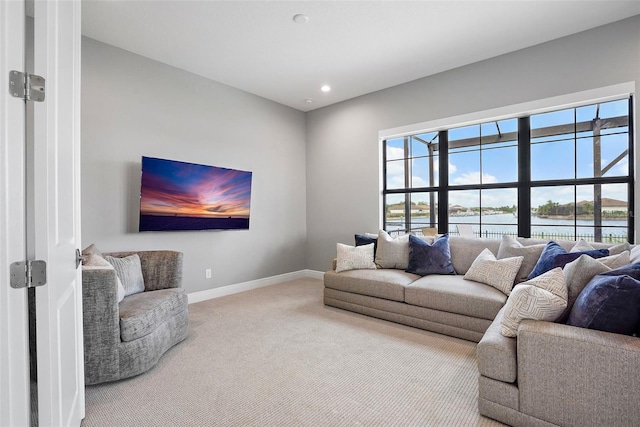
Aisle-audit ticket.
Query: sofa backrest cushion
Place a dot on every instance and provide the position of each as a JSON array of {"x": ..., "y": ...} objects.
[{"x": 465, "y": 250}]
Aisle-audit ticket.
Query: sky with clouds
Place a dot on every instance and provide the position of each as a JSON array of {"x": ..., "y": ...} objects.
[
  {"x": 564, "y": 156},
  {"x": 186, "y": 189}
]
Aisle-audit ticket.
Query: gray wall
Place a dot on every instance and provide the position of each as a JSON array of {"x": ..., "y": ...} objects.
[
  {"x": 342, "y": 140},
  {"x": 132, "y": 106}
]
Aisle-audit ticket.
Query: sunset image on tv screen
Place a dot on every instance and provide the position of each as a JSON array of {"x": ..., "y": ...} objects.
[{"x": 186, "y": 196}]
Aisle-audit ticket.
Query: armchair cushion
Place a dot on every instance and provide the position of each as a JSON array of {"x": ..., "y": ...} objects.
[{"x": 140, "y": 314}]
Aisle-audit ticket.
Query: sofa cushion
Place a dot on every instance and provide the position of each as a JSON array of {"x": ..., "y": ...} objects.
[
  {"x": 497, "y": 354},
  {"x": 392, "y": 252},
  {"x": 510, "y": 247},
  {"x": 354, "y": 257},
  {"x": 610, "y": 302},
  {"x": 542, "y": 298},
  {"x": 454, "y": 294},
  {"x": 497, "y": 273},
  {"x": 382, "y": 283},
  {"x": 129, "y": 271},
  {"x": 142, "y": 313},
  {"x": 426, "y": 258},
  {"x": 465, "y": 250}
]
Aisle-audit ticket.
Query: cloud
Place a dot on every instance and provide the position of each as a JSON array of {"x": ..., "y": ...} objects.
[{"x": 474, "y": 178}]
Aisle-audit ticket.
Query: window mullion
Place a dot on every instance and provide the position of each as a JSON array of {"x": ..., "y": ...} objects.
[
  {"x": 443, "y": 190},
  {"x": 524, "y": 177}
]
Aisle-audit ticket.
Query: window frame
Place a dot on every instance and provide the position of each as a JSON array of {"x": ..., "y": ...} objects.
[{"x": 524, "y": 183}]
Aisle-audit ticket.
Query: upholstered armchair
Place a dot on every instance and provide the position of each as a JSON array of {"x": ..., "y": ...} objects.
[{"x": 126, "y": 331}]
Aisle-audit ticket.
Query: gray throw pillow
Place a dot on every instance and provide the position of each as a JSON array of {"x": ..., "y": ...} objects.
[
  {"x": 129, "y": 271},
  {"x": 392, "y": 253},
  {"x": 510, "y": 247}
]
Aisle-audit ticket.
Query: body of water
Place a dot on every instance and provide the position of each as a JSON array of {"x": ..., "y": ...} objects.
[{"x": 497, "y": 225}]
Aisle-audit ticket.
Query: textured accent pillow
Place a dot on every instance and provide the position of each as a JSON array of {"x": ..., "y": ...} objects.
[
  {"x": 129, "y": 271},
  {"x": 510, "y": 247},
  {"x": 392, "y": 253},
  {"x": 96, "y": 261},
  {"x": 553, "y": 251},
  {"x": 608, "y": 303},
  {"x": 576, "y": 275},
  {"x": 425, "y": 258},
  {"x": 355, "y": 257},
  {"x": 541, "y": 298},
  {"x": 497, "y": 273}
]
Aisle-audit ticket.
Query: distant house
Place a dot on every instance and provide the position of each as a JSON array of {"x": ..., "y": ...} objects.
[
  {"x": 613, "y": 205},
  {"x": 609, "y": 205}
]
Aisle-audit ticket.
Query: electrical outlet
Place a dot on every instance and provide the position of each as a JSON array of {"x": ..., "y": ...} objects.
[{"x": 207, "y": 273}]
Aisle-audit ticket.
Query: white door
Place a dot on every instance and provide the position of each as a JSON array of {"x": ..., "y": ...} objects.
[
  {"x": 14, "y": 352},
  {"x": 57, "y": 213}
]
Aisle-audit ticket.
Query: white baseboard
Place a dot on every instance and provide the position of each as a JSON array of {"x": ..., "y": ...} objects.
[{"x": 253, "y": 284}]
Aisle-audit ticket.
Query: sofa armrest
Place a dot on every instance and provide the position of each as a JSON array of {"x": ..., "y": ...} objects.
[
  {"x": 576, "y": 376},
  {"x": 101, "y": 323},
  {"x": 160, "y": 269}
]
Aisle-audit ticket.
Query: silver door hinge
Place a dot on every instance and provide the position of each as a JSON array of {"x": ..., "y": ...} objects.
[
  {"x": 26, "y": 86},
  {"x": 28, "y": 274}
]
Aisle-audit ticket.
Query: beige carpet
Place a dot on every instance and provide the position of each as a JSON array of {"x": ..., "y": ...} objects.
[{"x": 276, "y": 356}]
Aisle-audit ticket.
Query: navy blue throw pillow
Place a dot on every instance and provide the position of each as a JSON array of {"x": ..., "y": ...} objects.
[
  {"x": 564, "y": 259},
  {"x": 545, "y": 262},
  {"x": 362, "y": 240},
  {"x": 425, "y": 258},
  {"x": 608, "y": 303},
  {"x": 553, "y": 255}
]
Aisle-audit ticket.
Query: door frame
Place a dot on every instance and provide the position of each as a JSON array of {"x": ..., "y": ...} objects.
[{"x": 14, "y": 329}]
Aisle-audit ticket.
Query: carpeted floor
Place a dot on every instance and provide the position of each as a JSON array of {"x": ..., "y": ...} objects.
[{"x": 276, "y": 356}]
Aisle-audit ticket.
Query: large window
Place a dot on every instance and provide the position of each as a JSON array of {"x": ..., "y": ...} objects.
[{"x": 564, "y": 174}]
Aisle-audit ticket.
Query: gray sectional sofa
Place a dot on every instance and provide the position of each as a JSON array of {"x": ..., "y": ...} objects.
[{"x": 550, "y": 374}]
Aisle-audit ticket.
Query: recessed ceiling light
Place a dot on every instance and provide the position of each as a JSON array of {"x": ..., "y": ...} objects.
[
  {"x": 325, "y": 88},
  {"x": 308, "y": 100},
  {"x": 300, "y": 18}
]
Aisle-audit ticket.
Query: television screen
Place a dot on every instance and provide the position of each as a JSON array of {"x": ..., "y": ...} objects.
[{"x": 186, "y": 196}]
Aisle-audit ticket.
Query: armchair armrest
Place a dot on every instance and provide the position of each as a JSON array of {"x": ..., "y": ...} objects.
[
  {"x": 160, "y": 269},
  {"x": 576, "y": 376},
  {"x": 101, "y": 323}
]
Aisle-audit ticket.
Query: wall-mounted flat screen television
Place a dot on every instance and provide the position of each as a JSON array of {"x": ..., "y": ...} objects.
[{"x": 176, "y": 196}]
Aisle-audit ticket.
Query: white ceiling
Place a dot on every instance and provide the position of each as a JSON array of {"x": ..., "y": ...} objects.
[{"x": 356, "y": 47}]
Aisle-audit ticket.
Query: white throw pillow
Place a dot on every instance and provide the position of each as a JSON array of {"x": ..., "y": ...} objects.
[
  {"x": 354, "y": 257},
  {"x": 616, "y": 261},
  {"x": 494, "y": 272},
  {"x": 542, "y": 298},
  {"x": 392, "y": 253}
]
